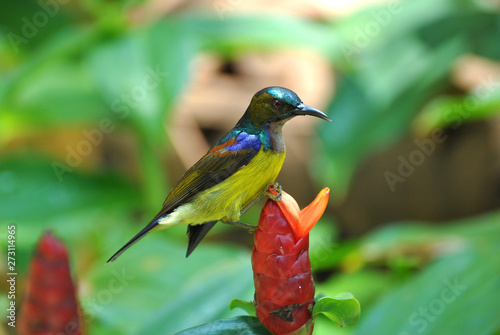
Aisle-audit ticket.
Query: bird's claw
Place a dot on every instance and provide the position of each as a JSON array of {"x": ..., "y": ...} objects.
[
  {"x": 274, "y": 191},
  {"x": 250, "y": 227}
]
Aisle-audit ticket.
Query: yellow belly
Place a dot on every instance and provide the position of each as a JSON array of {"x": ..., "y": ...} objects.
[{"x": 225, "y": 201}]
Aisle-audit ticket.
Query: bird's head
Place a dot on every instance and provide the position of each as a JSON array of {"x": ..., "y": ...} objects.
[{"x": 277, "y": 105}]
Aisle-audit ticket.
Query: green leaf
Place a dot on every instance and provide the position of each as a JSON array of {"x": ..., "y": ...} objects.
[
  {"x": 464, "y": 278},
  {"x": 245, "y": 305},
  {"x": 344, "y": 309},
  {"x": 21, "y": 22},
  {"x": 80, "y": 208},
  {"x": 242, "y": 33},
  {"x": 66, "y": 47},
  {"x": 430, "y": 303},
  {"x": 366, "y": 117},
  {"x": 366, "y": 285},
  {"x": 217, "y": 274},
  {"x": 57, "y": 94},
  {"x": 447, "y": 111},
  {"x": 35, "y": 190},
  {"x": 157, "y": 69},
  {"x": 380, "y": 95},
  {"x": 173, "y": 292},
  {"x": 323, "y": 249},
  {"x": 156, "y": 63},
  {"x": 51, "y": 88},
  {"x": 460, "y": 233},
  {"x": 241, "y": 325}
]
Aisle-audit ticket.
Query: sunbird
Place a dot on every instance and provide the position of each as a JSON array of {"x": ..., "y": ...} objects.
[{"x": 234, "y": 173}]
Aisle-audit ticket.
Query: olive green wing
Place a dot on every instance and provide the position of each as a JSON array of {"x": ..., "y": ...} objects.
[{"x": 216, "y": 166}]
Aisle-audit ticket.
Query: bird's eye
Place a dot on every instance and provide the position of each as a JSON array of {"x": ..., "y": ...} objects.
[{"x": 277, "y": 104}]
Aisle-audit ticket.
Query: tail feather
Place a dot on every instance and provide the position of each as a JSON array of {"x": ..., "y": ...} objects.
[
  {"x": 196, "y": 233},
  {"x": 134, "y": 239}
]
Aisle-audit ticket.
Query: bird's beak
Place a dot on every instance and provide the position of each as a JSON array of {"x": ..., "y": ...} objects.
[{"x": 302, "y": 109}]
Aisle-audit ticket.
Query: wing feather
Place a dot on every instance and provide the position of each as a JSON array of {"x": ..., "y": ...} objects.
[
  {"x": 217, "y": 165},
  {"x": 228, "y": 156}
]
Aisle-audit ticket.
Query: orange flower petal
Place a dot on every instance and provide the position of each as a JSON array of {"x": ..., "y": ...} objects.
[
  {"x": 302, "y": 221},
  {"x": 312, "y": 213},
  {"x": 290, "y": 209},
  {"x": 291, "y": 205}
]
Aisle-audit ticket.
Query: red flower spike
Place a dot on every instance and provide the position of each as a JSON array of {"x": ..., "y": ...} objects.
[
  {"x": 49, "y": 304},
  {"x": 284, "y": 288}
]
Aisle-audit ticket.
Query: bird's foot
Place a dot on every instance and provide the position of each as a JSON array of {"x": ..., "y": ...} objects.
[
  {"x": 274, "y": 191},
  {"x": 250, "y": 227}
]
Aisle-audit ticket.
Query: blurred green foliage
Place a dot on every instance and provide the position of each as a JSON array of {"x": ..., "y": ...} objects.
[{"x": 84, "y": 66}]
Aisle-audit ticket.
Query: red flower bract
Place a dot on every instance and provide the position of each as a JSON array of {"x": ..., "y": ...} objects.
[
  {"x": 49, "y": 305},
  {"x": 284, "y": 288}
]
